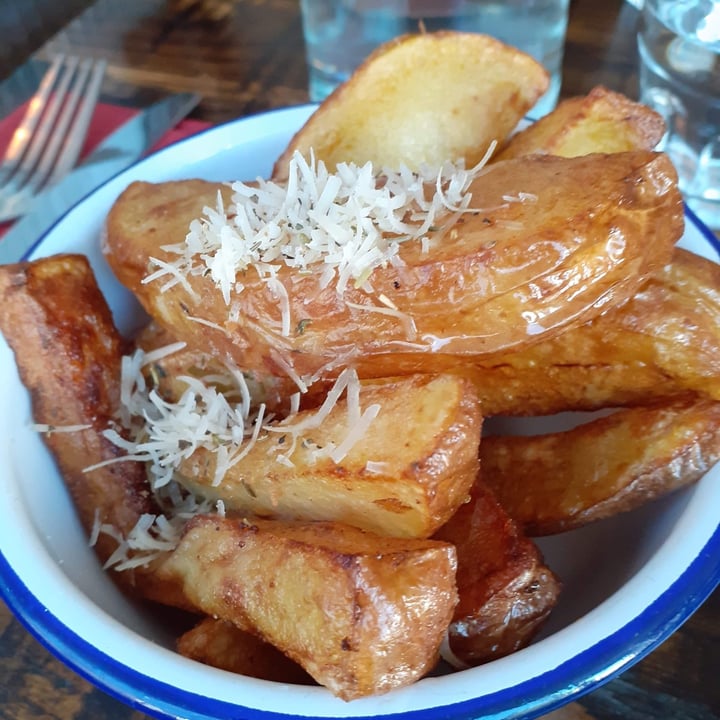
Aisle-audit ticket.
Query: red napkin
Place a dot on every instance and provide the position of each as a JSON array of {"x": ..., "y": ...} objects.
[{"x": 105, "y": 119}]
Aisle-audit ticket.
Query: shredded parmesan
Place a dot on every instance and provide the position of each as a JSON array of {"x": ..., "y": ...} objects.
[
  {"x": 165, "y": 433},
  {"x": 286, "y": 366},
  {"x": 207, "y": 323},
  {"x": 227, "y": 422},
  {"x": 375, "y": 467},
  {"x": 357, "y": 421},
  {"x": 153, "y": 535},
  {"x": 50, "y": 429},
  {"x": 340, "y": 226},
  {"x": 407, "y": 321}
]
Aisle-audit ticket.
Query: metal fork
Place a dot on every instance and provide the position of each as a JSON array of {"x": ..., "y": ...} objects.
[{"x": 48, "y": 141}]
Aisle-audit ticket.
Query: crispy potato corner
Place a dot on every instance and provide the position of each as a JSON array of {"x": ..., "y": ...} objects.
[
  {"x": 361, "y": 613},
  {"x": 602, "y": 121}
]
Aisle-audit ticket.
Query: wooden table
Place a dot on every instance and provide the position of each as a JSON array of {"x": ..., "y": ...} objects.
[{"x": 245, "y": 57}]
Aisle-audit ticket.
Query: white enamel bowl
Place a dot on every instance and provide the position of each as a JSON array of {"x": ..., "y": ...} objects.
[{"x": 628, "y": 582}]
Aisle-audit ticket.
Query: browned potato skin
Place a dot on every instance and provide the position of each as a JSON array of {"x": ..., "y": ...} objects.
[
  {"x": 225, "y": 646},
  {"x": 559, "y": 481},
  {"x": 68, "y": 351},
  {"x": 425, "y": 98},
  {"x": 601, "y": 121},
  {"x": 426, "y": 434},
  {"x": 507, "y": 385},
  {"x": 664, "y": 343},
  {"x": 506, "y": 591},
  {"x": 473, "y": 292},
  {"x": 360, "y": 613}
]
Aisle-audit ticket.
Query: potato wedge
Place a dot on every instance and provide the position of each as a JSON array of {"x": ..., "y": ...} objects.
[
  {"x": 486, "y": 288},
  {"x": 601, "y": 121},
  {"x": 555, "y": 482},
  {"x": 68, "y": 352},
  {"x": 506, "y": 591},
  {"x": 362, "y": 614},
  {"x": 663, "y": 343},
  {"x": 404, "y": 476},
  {"x": 425, "y": 98},
  {"x": 507, "y": 385},
  {"x": 223, "y": 645}
]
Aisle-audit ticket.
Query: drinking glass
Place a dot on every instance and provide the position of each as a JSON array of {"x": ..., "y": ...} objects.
[{"x": 679, "y": 50}]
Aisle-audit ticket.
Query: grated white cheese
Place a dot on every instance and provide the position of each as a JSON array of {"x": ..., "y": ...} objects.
[
  {"x": 407, "y": 321},
  {"x": 358, "y": 421},
  {"x": 153, "y": 535},
  {"x": 226, "y": 422},
  {"x": 207, "y": 323},
  {"x": 285, "y": 365},
  {"x": 341, "y": 225},
  {"x": 375, "y": 467},
  {"x": 50, "y": 429},
  {"x": 165, "y": 433}
]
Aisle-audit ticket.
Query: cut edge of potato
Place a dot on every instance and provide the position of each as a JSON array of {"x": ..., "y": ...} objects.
[
  {"x": 423, "y": 98},
  {"x": 601, "y": 121}
]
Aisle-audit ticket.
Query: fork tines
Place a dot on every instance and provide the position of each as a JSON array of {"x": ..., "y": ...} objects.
[{"x": 48, "y": 141}]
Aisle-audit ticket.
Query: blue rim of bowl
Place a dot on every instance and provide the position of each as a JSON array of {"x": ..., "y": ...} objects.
[{"x": 585, "y": 672}]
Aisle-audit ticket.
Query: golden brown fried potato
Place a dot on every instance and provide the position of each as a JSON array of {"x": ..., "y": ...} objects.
[
  {"x": 501, "y": 280},
  {"x": 506, "y": 591},
  {"x": 601, "y": 121},
  {"x": 663, "y": 343},
  {"x": 404, "y": 476},
  {"x": 363, "y": 614},
  {"x": 425, "y": 98},
  {"x": 68, "y": 352},
  {"x": 555, "y": 482},
  {"x": 513, "y": 384},
  {"x": 222, "y": 645}
]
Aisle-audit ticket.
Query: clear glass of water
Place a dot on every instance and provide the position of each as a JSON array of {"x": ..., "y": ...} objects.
[
  {"x": 340, "y": 34},
  {"x": 679, "y": 49}
]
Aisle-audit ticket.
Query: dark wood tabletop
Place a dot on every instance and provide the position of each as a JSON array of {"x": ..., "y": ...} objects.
[{"x": 245, "y": 57}]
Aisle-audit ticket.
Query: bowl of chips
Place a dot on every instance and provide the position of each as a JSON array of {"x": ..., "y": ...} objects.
[{"x": 445, "y": 528}]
